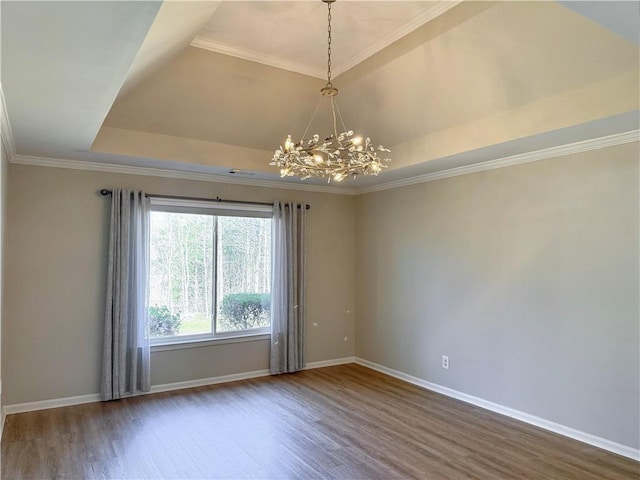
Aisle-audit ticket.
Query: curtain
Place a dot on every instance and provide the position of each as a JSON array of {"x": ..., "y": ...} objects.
[
  {"x": 287, "y": 288},
  {"x": 126, "y": 355}
]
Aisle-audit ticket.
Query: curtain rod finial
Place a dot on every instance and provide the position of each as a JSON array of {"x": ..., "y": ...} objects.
[{"x": 104, "y": 192}]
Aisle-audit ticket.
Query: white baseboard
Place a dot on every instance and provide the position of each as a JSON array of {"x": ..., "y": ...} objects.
[
  {"x": 584, "y": 437},
  {"x": 53, "y": 403},
  {"x": 166, "y": 387},
  {"x": 330, "y": 363},
  {"x": 3, "y": 415}
]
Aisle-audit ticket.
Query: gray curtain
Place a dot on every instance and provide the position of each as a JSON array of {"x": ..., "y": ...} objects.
[
  {"x": 126, "y": 356},
  {"x": 287, "y": 288}
]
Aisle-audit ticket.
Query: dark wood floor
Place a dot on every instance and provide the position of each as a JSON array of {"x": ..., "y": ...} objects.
[{"x": 337, "y": 422}]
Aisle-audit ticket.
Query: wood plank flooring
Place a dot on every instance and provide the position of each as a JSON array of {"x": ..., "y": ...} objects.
[{"x": 344, "y": 422}]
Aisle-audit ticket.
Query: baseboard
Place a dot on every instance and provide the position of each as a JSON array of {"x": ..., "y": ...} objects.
[
  {"x": 330, "y": 363},
  {"x": 166, "y": 387},
  {"x": 584, "y": 437},
  {"x": 53, "y": 403},
  {"x": 3, "y": 416}
]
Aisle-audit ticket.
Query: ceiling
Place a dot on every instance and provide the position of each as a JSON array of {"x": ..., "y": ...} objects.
[{"x": 215, "y": 87}]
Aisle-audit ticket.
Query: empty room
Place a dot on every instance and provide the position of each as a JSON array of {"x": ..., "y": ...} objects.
[{"x": 328, "y": 239}]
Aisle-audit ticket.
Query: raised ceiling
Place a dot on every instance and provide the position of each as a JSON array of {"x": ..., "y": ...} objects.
[
  {"x": 293, "y": 36},
  {"x": 215, "y": 86}
]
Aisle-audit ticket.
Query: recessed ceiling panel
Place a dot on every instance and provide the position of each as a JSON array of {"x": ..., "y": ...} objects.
[{"x": 293, "y": 35}]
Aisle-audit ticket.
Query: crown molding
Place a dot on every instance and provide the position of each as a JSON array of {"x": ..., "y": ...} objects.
[
  {"x": 168, "y": 173},
  {"x": 534, "y": 156},
  {"x": 5, "y": 127},
  {"x": 547, "y": 153},
  {"x": 435, "y": 10},
  {"x": 253, "y": 56}
]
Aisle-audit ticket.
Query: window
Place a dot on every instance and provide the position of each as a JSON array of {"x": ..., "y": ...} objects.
[{"x": 210, "y": 271}]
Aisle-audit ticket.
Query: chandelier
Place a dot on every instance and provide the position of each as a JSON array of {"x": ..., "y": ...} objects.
[{"x": 338, "y": 156}]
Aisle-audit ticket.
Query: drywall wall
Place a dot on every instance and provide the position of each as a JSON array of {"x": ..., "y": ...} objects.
[
  {"x": 4, "y": 165},
  {"x": 526, "y": 277},
  {"x": 57, "y": 231}
]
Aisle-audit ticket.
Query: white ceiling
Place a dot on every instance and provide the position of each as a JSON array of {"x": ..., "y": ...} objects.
[
  {"x": 214, "y": 86},
  {"x": 358, "y": 31}
]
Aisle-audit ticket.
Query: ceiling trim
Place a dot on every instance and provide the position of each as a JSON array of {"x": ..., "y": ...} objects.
[
  {"x": 5, "y": 127},
  {"x": 168, "y": 173},
  {"x": 534, "y": 156},
  {"x": 528, "y": 157},
  {"x": 253, "y": 56},
  {"x": 435, "y": 10}
]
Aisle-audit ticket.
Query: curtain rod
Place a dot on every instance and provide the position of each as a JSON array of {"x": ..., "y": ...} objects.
[{"x": 104, "y": 192}]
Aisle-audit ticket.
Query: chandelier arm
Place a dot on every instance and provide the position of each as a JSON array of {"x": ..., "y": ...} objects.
[
  {"x": 333, "y": 112},
  {"x": 344, "y": 129},
  {"x": 310, "y": 121}
]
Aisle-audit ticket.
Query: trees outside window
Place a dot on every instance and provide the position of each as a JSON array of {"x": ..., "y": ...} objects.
[{"x": 210, "y": 274}]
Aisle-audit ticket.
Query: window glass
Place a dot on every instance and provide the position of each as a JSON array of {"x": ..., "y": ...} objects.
[
  {"x": 244, "y": 273},
  {"x": 209, "y": 274}
]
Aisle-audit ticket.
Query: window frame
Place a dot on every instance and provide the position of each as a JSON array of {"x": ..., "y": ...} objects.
[{"x": 215, "y": 209}]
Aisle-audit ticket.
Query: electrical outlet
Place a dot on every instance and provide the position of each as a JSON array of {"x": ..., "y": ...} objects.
[{"x": 445, "y": 361}]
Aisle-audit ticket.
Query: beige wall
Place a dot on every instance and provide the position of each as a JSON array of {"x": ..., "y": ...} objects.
[
  {"x": 56, "y": 268},
  {"x": 3, "y": 207},
  {"x": 526, "y": 277}
]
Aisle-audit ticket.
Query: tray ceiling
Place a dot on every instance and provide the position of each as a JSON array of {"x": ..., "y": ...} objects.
[{"x": 215, "y": 86}]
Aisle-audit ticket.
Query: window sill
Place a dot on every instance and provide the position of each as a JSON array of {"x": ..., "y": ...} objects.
[{"x": 199, "y": 342}]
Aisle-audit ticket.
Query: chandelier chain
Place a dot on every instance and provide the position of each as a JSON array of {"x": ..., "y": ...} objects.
[{"x": 329, "y": 46}]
